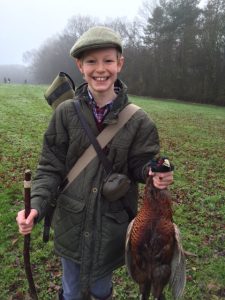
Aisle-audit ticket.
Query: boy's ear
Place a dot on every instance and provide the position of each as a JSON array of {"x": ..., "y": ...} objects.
[
  {"x": 79, "y": 65},
  {"x": 120, "y": 63}
]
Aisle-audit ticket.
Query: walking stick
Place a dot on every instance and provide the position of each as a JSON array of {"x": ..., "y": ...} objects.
[{"x": 26, "y": 248}]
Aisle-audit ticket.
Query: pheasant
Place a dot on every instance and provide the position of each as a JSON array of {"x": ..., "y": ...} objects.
[{"x": 154, "y": 254}]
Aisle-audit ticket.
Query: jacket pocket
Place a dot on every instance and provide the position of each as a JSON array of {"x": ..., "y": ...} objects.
[
  {"x": 113, "y": 233},
  {"x": 68, "y": 222}
]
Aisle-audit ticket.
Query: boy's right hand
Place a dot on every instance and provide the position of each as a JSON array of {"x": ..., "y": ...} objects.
[{"x": 26, "y": 225}]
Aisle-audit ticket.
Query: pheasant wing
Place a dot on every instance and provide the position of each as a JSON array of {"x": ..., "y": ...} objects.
[{"x": 128, "y": 256}]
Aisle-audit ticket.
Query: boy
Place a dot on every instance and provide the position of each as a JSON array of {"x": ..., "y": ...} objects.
[{"x": 89, "y": 231}]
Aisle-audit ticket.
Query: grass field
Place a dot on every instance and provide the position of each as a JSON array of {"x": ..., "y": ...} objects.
[{"x": 192, "y": 135}]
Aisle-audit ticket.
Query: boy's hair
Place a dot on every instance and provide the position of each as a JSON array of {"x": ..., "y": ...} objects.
[{"x": 96, "y": 38}]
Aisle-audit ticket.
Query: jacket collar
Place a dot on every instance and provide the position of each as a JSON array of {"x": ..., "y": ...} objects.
[{"x": 119, "y": 103}]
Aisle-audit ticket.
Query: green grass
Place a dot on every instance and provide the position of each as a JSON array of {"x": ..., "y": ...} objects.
[{"x": 192, "y": 135}]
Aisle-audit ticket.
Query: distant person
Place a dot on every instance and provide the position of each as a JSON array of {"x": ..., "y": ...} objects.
[
  {"x": 90, "y": 230},
  {"x": 9, "y": 80},
  {"x": 5, "y": 80}
]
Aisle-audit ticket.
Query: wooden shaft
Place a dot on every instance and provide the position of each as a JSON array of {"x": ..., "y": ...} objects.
[{"x": 26, "y": 248}]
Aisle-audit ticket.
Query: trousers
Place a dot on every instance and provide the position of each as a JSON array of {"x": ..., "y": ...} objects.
[{"x": 101, "y": 289}]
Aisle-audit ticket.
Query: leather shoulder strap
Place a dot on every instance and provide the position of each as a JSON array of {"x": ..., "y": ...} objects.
[{"x": 103, "y": 138}]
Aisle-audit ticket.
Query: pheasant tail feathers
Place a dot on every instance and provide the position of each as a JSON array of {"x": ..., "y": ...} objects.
[{"x": 178, "y": 267}]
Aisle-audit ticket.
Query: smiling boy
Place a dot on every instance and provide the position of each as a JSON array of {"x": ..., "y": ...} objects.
[
  {"x": 100, "y": 69},
  {"x": 89, "y": 231}
]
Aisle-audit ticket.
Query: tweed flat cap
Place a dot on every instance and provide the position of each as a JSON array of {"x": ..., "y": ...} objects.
[{"x": 96, "y": 38}]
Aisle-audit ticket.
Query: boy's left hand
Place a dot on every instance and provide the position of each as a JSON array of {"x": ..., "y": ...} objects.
[{"x": 161, "y": 180}]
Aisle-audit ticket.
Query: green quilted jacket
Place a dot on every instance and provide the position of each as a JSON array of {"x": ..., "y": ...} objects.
[{"x": 88, "y": 229}]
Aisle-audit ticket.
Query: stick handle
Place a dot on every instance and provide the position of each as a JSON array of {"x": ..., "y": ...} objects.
[{"x": 27, "y": 188}]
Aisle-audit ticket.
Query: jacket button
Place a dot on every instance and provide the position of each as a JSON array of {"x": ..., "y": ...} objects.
[
  {"x": 94, "y": 190},
  {"x": 86, "y": 234}
]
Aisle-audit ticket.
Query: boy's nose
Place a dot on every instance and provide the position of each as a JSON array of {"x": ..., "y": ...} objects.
[{"x": 100, "y": 67}]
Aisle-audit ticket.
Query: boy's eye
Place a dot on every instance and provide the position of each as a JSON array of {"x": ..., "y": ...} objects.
[
  {"x": 109, "y": 60},
  {"x": 90, "y": 61}
]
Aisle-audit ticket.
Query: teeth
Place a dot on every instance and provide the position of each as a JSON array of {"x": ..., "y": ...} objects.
[{"x": 100, "y": 78}]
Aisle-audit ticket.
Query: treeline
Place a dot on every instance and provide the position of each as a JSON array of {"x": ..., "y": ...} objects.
[{"x": 175, "y": 49}]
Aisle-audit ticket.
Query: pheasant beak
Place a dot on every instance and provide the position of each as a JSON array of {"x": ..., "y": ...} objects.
[{"x": 166, "y": 163}]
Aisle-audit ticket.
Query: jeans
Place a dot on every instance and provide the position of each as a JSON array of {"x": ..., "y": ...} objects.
[{"x": 71, "y": 286}]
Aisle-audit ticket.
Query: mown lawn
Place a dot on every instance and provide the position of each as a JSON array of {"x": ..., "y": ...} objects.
[{"x": 192, "y": 135}]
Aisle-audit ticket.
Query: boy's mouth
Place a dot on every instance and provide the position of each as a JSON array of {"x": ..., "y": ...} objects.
[{"x": 100, "y": 78}]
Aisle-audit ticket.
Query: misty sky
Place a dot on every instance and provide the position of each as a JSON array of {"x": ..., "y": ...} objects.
[{"x": 26, "y": 24}]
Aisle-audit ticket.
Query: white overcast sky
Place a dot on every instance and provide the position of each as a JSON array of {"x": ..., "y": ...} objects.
[{"x": 26, "y": 24}]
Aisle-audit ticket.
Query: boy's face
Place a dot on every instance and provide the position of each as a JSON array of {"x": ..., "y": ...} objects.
[{"x": 100, "y": 68}]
